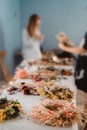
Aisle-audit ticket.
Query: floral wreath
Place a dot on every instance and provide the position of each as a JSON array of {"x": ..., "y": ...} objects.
[
  {"x": 57, "y": 113},
  {"x": 9, "y": 109}
]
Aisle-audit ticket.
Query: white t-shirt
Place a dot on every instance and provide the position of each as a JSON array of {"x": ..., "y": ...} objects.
[{"x": 31, "y": 48}]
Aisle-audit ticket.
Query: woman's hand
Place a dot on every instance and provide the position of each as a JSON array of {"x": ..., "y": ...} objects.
[
  {"x": 39, "y": 37},
  {"x": 74, "y": 50}
]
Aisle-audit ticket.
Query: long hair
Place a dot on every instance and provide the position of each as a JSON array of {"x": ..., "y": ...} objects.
[{"x": 32, "y": 23}]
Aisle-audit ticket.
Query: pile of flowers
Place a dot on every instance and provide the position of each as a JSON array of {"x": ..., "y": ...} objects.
[
  {"x": 29, "y": 89},
  {"x": 36, "y": 78},
  {"x": 21, "y": 74},
  {"x": 66, "y": 72},
  {"x": 9, "y": 109},
  {"x": 50, "y": 70},
  {"x": 56, "y": 92},
  {"x": 56, "y": 113},
  {"x": 39, "y": 77}
]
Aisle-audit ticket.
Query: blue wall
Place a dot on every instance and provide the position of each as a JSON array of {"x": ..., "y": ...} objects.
[
  {"x": 69, "y": 16},
  {"x": 10, "y": 27}
]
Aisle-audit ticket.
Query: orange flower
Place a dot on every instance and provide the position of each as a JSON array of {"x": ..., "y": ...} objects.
[{"x": 21, "y": 74}]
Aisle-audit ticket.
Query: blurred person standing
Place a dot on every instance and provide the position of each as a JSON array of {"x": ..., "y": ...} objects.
[
  {"x": 32, "y": 39},
  {"x": 81, "y": 63}
]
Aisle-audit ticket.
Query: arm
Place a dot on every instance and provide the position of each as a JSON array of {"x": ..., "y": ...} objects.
[
  {"x": 39, "y": 37},
  {"x": 74, "y": 50}
]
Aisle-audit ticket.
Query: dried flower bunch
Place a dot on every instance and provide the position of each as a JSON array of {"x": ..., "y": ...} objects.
[
  {"x": 56, "y": 113},
  {"x": 9, "y": 109},
  {"x": 56, "y": 92},
  {"x": 62, "y": 37},
  {"x": 29, "y": 89}
]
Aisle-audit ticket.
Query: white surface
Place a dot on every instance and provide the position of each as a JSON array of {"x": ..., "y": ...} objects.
[
  {"x": 23, "y": 124},
  {"x": 28, "y": 102}
]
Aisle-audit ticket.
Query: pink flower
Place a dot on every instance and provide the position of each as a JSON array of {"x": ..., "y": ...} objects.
[
  {"x": 68, "y": 114},
  {"x": 21, "y": 74}
]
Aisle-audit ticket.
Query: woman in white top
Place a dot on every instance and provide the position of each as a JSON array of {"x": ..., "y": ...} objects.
[{"x": 32, "y": 39}]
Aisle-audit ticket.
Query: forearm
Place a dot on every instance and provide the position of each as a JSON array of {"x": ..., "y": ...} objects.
[
  {"x": 39, "y": 37},
  {"x": 74, "y": 50}
]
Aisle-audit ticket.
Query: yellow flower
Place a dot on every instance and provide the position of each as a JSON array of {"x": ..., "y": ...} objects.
[
  {"x": 2, "y": 115},
  {"x": 55, "y": 97},
  {"x": 51, "y": 95}
]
